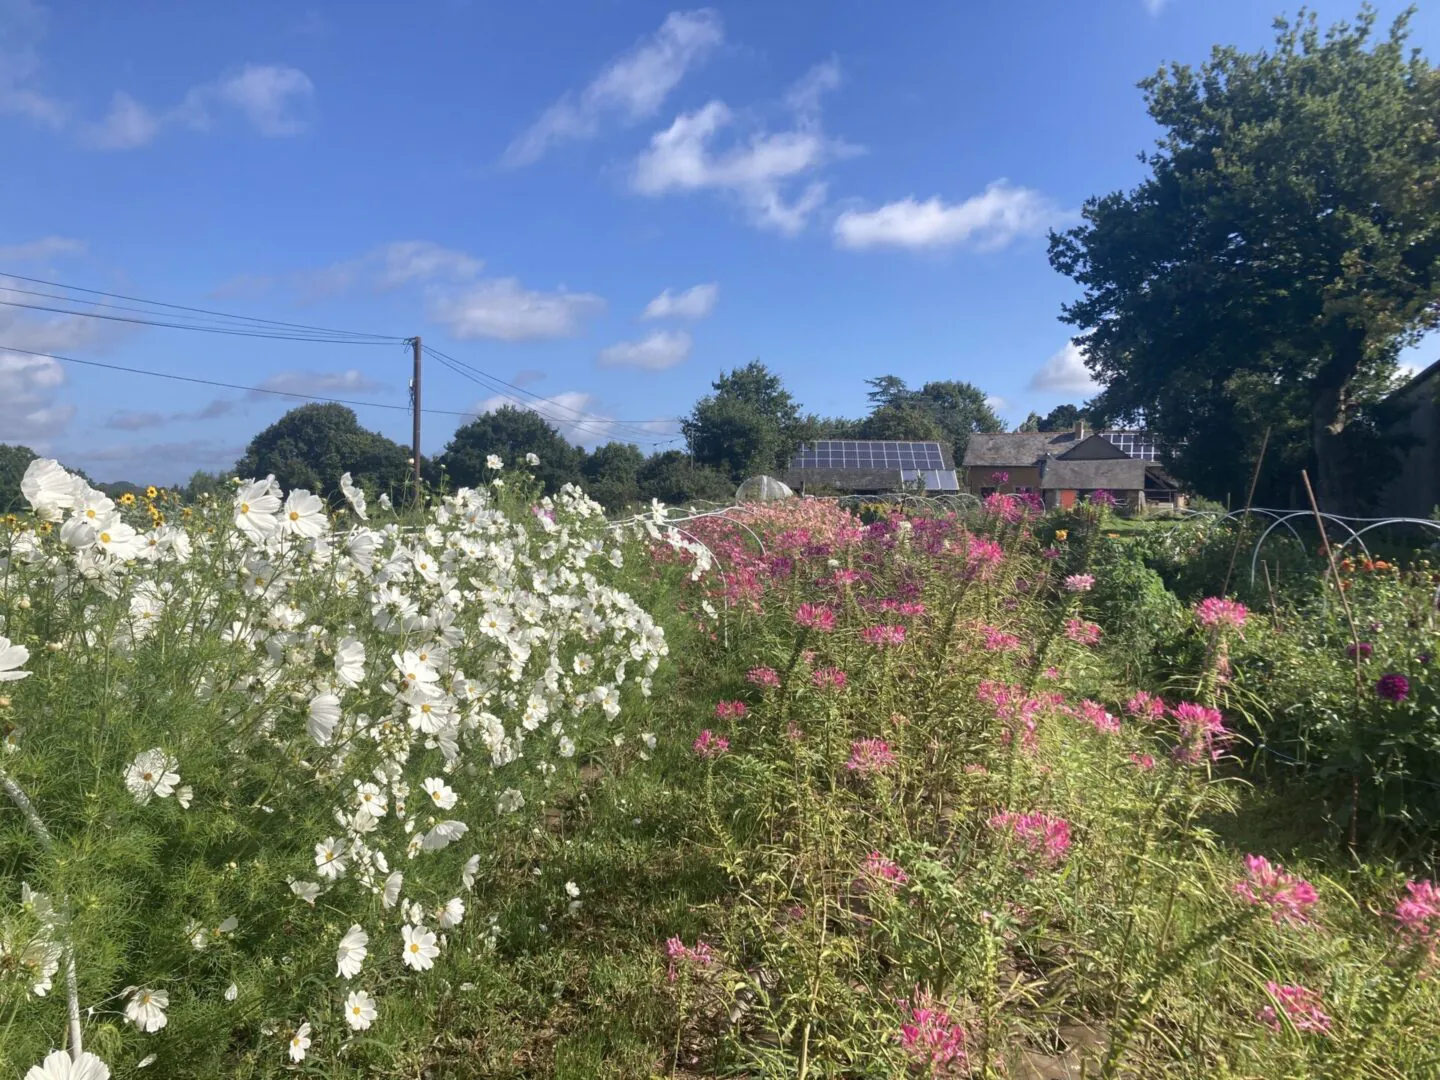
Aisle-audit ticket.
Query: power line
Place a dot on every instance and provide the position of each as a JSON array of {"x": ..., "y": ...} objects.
[
  {"x": 195, "y": 310},
  {"x": 231, "y": 331},
  {"x": 225, "y": 385}
]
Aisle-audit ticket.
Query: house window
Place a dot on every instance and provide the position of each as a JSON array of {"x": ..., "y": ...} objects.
[
  {"x": 986, "y": 492},
  {"x": 1024, "y": 490}
]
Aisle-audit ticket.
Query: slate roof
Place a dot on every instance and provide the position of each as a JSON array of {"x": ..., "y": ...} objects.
[
  {"x": 1016, "y": 448},
  {"x": 1118, "y": 474}
]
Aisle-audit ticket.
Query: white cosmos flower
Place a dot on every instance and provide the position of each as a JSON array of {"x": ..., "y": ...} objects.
[
  {"x": 146, "y": 1010},
  {"x": 300, "y": 1042},
  {"x": 305, "y": 890},
  {"x": 350, "y": 661},
  {"x": 330, "y": 858},
  {"x": 12, "y": 657},
  {"x": 371, "y": 799},
  {"x": 184, "y": 795},
  {"x": 441, "y": 793},
  {"x": 567, "y": 746},
  {"x": 324, "y": 715},
  {"x": 232, "y": 992},
  {"x": 532, "y": 460},
  {"x": 572, "y": 890},
  {"x": 390, "y": 894},
  {"x": 303, "y": 515},
  {"x": 492, "y": 461},
  {"x": 420, "y": 949},
  {"x": 59, "y": 1066},
  {"x": 201, "y": 937},
  {"x": 510, "y": 800},
  {"x": 451, "y": 913},
  {"x": 48, "y": 488},
  {"x": 353, "y": 495},
  {"x": 152, "y": 773},
  {"x": 359, "y": 1009},
  {"x": 119, "y": 540},
  {"x": 467, "y": 875},
  {"x": 443, "y": 835},
  {"x": 255, "y": 510},
  {"x": 384, "y": 501},
  {"x": 352, "y": 952}
]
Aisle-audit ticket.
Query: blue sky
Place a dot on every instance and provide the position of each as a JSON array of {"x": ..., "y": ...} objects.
[{"x": 605, "y": 203}]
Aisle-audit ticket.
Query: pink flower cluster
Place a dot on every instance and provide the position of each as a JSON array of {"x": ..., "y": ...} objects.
[
  {"x": 710, "y": 745},
  {"x": 1143, "y": 762},
  {"x": 1042, "y": 834},
  {"x": 879, "y": 871},
  {"x": 1078, "y": 583},
  {"x": 1301, "y": 1005},
  {"x": 999, "y": 640},
  {"x": 1418, "y": 913},
  {"x": 680, "y": 956},
  {"x": 883, "y": 635},
  {"x": 815, "y": 617},
  {"x": 1018, "y": 710},
  {"x": 1094, "y": 714},
  {"x": 1203, "y": 734},
  {"x": 1082, "y": 632},
  {"x": 1219, "y": 611},
  {"x": 932, "y": 1038},
  {"x": 981, "y": 556},
  {"x": 1145, "y": 706},
  {"x": 730, "y": 710},
  {"x": 828, "y": 678},
  {"x": 869, "y": 756},
  {"x": 765, "y": 677},
  {"x": 1289, "y": 898}
]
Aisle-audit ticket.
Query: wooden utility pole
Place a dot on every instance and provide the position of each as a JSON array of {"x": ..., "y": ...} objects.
[{"x": 415, "y": 404}]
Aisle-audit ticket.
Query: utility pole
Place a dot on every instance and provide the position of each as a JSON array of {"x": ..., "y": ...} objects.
[{"x": 415, "y": 403}]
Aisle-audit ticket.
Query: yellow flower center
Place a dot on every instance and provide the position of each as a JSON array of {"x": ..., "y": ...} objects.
[
  {"x": 244, "y": 508},
  {"x": 355, "y": 1009},
  {"x": 147, "y": 777},
  {"x": 425, "y": 708},
  {"x": 90, "y": 513},
  {"x": 414, "y": 946},
  {"x": 104, "y": 538},
  {"x": 294, "y": 515}
]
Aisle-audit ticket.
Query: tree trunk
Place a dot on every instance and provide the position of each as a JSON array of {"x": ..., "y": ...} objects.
[{"x": 1328, "y": 417}]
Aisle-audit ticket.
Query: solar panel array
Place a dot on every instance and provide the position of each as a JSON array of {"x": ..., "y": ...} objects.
[
  {"x": 1138, "y": 444},
  {"x": 869, "y": 454},
  {"x": 935, "y": 479}
]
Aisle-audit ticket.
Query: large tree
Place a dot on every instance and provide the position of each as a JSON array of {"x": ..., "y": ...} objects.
[
  {"x": 749, "y": 425},
  {"x": 674, "y": 478},
  {"x": 945, "y": 410},
  {"x": 311, "y": 446},
  {"x": 1283, "y": 249},
  {"x": 510, "y": 433},
  {"x": 14, "y": 460},
  {"x": 610, "y": 474}
]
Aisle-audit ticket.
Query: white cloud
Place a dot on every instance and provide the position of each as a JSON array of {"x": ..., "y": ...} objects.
[
  {"x": 135, "y": 421},
  {"x": 272, "y": 97},
  {"x": 387, "y": 266},
  {"x": 1065, "y": 372},
  {"x": 47, "y": 247},
  {"x": 694, "y": 303},
  {"x": 988, "y": 221},
  {"x": 632, "y": 86},
  {"x": 503, "y": 309},
  {"x": 29, "y": 410},
  {"x": 654, "y": 352},
  {"x": 996, "y": 402},
  {"x": 321, "y": 383},
  {"x": 126, "y": 126},
  {"x": 422, "y": 260},
  {"x": 158, "y": 463},
  {"x": 47, "y": 332},
  {"x": 22, "y": 26},
  {"x": 574, "y": 413},
  {"x": 755, "y": 170}
]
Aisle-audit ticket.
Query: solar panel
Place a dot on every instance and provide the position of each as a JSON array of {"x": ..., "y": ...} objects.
[
  {"x": 869, "y": 454},
  {"x": 1137, "y": 444}
]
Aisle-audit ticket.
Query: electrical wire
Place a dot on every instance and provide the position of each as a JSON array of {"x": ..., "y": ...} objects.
[{"x": 231, "y": 331}]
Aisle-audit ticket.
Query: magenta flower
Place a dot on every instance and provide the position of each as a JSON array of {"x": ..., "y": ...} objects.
[
  {"x": 1203, "y": 734},
  {"x": 1219, "y": 611},
  {"x": 1042, "y": 834},
  {"x": 710, "y": 745},
  {"x": 999, "y": 640},
  {"x": 1393, "y": 687},
  {"x": 1363, "y": 649},
  {"x": 1145, "y": 706},
  {"x": 815, "y": 617},
  {"x": 1082, "y": 632},
  {"x": 870, "y": 756},
  {"x": 932, "y": 1038},
  {"x": 763, "y": 677},
  {"x": 878, "y": 871},
  {"x": 1000, "y": 477},
  {"x": 1418, "y": 914},
  {"x": 1103, "y": 498},
  {"x": 1095, "y": 715},
  {"x": 1143, "y": 762},
  {"x": 1079, "y": 582},
  {"x": 828, "y": 678},
  {"x": 1289, "y": 898},
  {"x": 729, "y": 710},
  {"x": 883, "y": 635},
  {"x": 1301, "y": 1005},
  {"x": 680, "y": 956}
]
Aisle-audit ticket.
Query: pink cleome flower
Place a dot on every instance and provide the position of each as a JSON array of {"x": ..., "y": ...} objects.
[
  {"x": 999, "y": 640},
  {"x": 681, "y": 957},
  {"x": 869, "y": 756},
  {"x": 828, "y": 678},
  {"x": 815, "y": 617},
  {"x": 1289, "y": 898},
  {"x": 710, "y": 745},
  {"x": 932, "y": 1038},
  {"x": 1144, "y": 705},
  {"x": 883, "y": 635},
  {"x": 730, "y": 710},
  {"x": 1143, "y": 762},
  {"x": 1418, "y": 914},
  {"x": 1095, "y": 715},
  {"x": 1203, "y": 734},
  {"x": 1079, "y": 583},
  {"x": 1301, "y": 1005},
  {"x": 1219, "y": 611},
  {"x": 1082, "y": 632},
  {"x": 765, "y": 677},
  {"x": 879, "y": 871},
  {"x": 1042, "y": 834}
]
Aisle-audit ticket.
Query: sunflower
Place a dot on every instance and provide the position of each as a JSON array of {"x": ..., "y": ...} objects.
[
  {"x": 152, "y": 491},
  {"x": 128, "y": 499}
]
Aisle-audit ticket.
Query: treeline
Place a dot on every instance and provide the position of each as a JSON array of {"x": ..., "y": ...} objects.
[{"x": 748, "y": 424}]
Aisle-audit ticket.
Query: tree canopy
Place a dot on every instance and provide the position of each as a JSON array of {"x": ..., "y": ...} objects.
[
  {"x": 14, "y": 460},
  {"x": 1283, "y": 249},
  {"x": 311, "y": 446},
  {"x": 510, "y": 434},
  {"x": 749, "y": 425},
  {"x": 946, "y": 410},
  {"x": 611, "y": 475}
]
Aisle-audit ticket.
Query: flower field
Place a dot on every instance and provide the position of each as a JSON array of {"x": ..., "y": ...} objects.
[{"x": 505, "y": 789}]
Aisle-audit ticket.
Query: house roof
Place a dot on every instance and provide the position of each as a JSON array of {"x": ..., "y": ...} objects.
[
  {"x": 1118, "y": 474},
  {"x": 1016, "y": 449}
]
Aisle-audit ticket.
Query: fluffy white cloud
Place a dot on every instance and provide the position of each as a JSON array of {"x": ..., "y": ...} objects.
[
  {"x": 694, "y": 303},
  {"x": 994, "y": 218},
  {"x": 22, "y": 26},
  {"x": 387, "y": 266},
  {"x": 576, "y": 414},
  {"x": 1065, "y": 372},
  {"x": 126, "y": 126},
  {"x": 654, "y": 352},
  {"x": 150, "y": 462},
  {"x": 272, "y": 97},
  {"x": 632, "y": 86},
  {"x": 48, "y": 332},
  {"x": 320, "y": 383},
  {"x": 30, "y": 412},
  {"x": 503, "y": 309},
  {"x": 755, "y": 170},
  {"x": 47, "y": 247}
]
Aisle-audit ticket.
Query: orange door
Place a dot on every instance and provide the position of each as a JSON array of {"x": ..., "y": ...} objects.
[{"x": 1067, "y": 499}]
